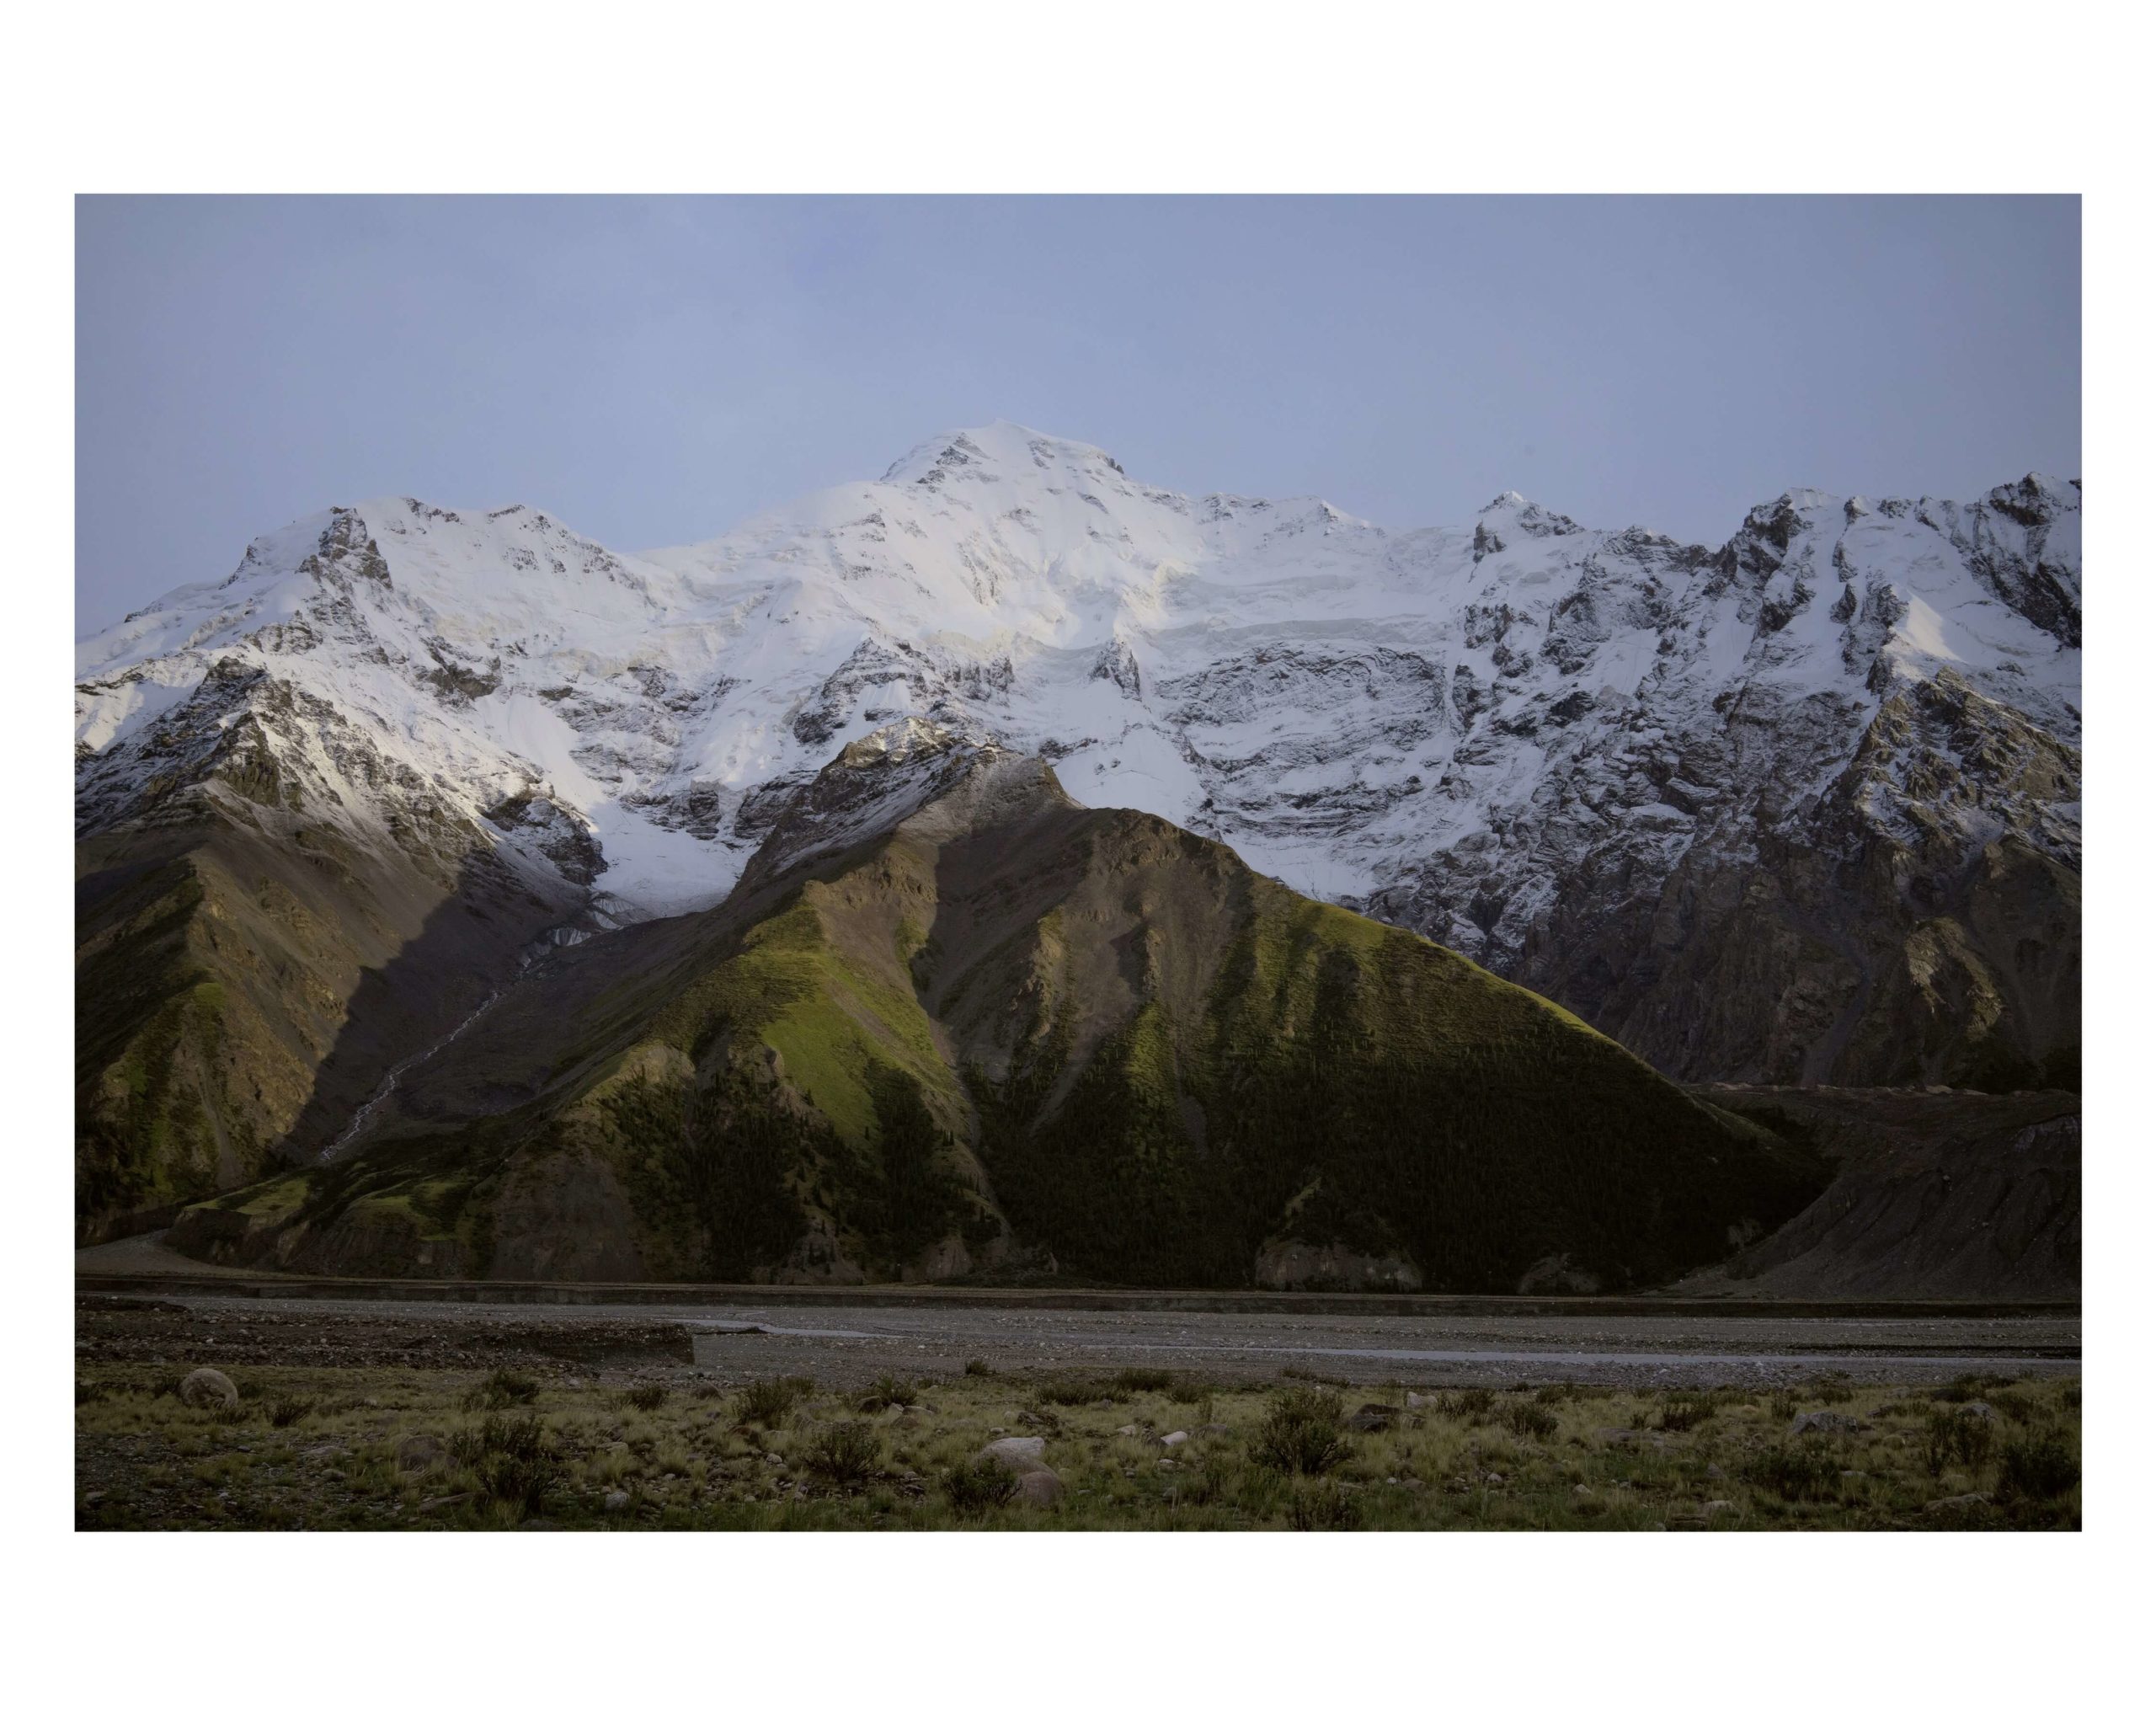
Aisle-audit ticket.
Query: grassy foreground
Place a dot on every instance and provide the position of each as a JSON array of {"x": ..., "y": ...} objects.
[{"x": 315, "y": 1448}]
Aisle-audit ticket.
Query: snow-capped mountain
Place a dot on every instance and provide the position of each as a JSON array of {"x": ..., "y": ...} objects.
[{"x": 1804, "y": 806}]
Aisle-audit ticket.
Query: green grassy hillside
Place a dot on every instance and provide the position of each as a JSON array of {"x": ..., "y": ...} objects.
[{"x": 1012, "y": 1037}]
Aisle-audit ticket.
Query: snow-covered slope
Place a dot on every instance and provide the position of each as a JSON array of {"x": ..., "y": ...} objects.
[{"x": 1490, "y": 732}]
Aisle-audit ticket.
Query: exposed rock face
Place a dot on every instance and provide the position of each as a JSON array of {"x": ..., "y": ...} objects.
[
  {"x": 1804, "y": 808},
  {"x": 1943, "y": 1195}
]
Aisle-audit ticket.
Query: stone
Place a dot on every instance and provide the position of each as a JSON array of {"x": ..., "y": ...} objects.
[
  {"x": 206, "y": 1386},
  {"x": 1720, "y": 1506},
  {"x": 1126, "y": 1431},
  {"x": 1979, "y": 1409},
  {"x": 1214, "y": 1430},
  {"x": 1173, "y": 1439},
  {"x": 1019, "y": 1455},
  {"x": 1039, "y": 1488},
  {"x": 1371, "y": 1417},
  {"x": 616, "y": 1501},
  {"x": 419, "y": 1452},
  {"x": 1824, "y": 1420}
]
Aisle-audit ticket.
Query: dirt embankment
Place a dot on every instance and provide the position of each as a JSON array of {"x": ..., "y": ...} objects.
[{"x": 1938, "y": 1195}]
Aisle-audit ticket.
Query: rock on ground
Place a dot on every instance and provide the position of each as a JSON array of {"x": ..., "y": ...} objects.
[{"x": 207, "y": 1387}]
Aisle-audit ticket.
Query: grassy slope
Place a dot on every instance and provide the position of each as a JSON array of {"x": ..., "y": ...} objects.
[
  {"x": 1398, "y": 1097},
  {"x": 1138, "y": 1053}
]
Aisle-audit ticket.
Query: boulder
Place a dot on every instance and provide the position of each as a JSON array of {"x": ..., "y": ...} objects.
[
  {"x": 207, "y": 1387},
  {"x": 1018, "y": 1454},
  {"x": 616, "y": 1501},
  {"x": 1039, "y": 1488},
  {"x": 1173, "y": 1439}
]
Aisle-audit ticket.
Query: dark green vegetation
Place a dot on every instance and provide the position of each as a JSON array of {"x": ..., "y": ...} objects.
[
  {"x": 1005, "y": 1037},
  {"x": 362, "y": 1448}
]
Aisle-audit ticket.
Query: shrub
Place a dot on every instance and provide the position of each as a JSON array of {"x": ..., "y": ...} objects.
[
  {"x": 976, "y": 1487},
  {"x": 289, "y": 1410},
  {"x": 514, "y": 1461},
  {"x": 768, "y": 1401},
  {"x": 1076, "y": 1393},
  {"x": 644, "y": 1397},
  {"x": 888, "y": 1392},
  {"x": 979, "y": 1368},
  {"x": 1469, "y": 1405},
  {"x": 502, "y": 1388},
  {"x": 845, "y": 1455},
  {"x": 1794, "y": 1471},
  {"x": 1144, "y": 1379},
  {"x": 1953, "y": 1434},
  {"x": 1300, "y": 1434},
  {"x": 1528, "y": 1419},
  {"x": 2044, "y": 1465}
]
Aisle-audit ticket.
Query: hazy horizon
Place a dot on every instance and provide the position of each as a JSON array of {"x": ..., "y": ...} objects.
[{"x": 653, "y": 372}]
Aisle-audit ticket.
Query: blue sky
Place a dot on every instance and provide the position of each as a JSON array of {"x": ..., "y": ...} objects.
[{"x": 653, "y": 370}]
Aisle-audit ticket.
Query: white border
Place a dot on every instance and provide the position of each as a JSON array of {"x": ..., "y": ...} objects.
[{"x": 1107, "y": 97}]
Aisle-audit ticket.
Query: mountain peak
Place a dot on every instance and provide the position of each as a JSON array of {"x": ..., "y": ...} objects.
[
  {"x": 907, "y": 771},
  {"x": 1002, "y": 444}
]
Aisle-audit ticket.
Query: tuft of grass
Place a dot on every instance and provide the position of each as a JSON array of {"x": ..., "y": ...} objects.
[
  {"x": 768, "y": 1401},
  {"x": 1527, "y": 1419},
  {"x": 978, "y": 1487},
  {"x": 1300, "y": 1433},
  {"x": 1953, "y": 1434},
  {"x": 979, "y": 1368},
  {"x": 2041, "y": 1467},
  {"x": 1682, "y": 1412},
  {"x": 1325, "y": 1509},
  {"x": 290, "y": 1410},
  {"x": 1143, "y": 1380},
  {"x": 1077, "y": 1393},
  {"x": 1794, "y": 1471},
  {"x": 846, "y": 1454},
  {"x": 646, "y": 1398},
  {"x": 1469, "y": 1405},
  {"x": 888, "y": 1391},
  {"x": 504, "y": 1388}
]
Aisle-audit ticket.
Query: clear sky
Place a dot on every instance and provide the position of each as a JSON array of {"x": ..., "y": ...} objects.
[{"x": 651, "y": 371}]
